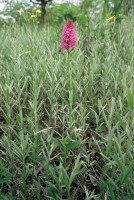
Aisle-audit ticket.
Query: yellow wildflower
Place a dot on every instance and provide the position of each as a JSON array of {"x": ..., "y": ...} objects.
[
  {"x": 33, "y": 16},
  {"x": 38, "y": 11},
  {"x": 21, "y": 11},
  {"x": 109, "y": 19},
  {"x": 113, "y": 139}
]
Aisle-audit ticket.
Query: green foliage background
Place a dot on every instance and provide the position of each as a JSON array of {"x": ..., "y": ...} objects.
[
  {"x": 43, "y": 155},
  {"x": 56, "y": 13}
]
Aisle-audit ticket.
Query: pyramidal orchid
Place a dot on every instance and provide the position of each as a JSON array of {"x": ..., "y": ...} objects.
[
  {"x": 68, "y": 37},
  {"x": 68, "y": 42}
]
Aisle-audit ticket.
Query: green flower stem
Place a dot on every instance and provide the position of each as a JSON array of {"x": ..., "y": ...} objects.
[{"x": 70, "y": 81}]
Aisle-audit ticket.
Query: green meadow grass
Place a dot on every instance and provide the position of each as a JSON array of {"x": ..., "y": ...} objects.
[{"x": 45, "y": 152}]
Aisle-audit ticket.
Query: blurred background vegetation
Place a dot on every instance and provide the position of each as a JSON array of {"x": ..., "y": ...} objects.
[{"x": 49, "y": 12}]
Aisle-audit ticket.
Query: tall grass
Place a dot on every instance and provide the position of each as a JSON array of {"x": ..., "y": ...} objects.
[{"x": 43, "y": 156}]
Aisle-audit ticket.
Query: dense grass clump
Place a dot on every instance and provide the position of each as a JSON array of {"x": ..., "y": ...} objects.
[{"x": 48, "y": 151}]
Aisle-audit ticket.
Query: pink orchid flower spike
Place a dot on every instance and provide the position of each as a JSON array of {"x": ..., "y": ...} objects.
[{"x": 68, "y": 37}]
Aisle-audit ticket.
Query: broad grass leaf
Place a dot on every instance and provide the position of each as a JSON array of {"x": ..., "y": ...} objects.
[
  {"x": 4, "y": 174},
  {"x": 73, "y": 145},
  {"x": 119, "y": 163},
  {"x": 6, "y": 197},
  {"x": 63, "y": 177},
  {"x": 127, "y": 172},
  {"x": 52, "y": 191},
  {"x": 75, "y": 170},
  {"x": 130, "y": 99}
]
